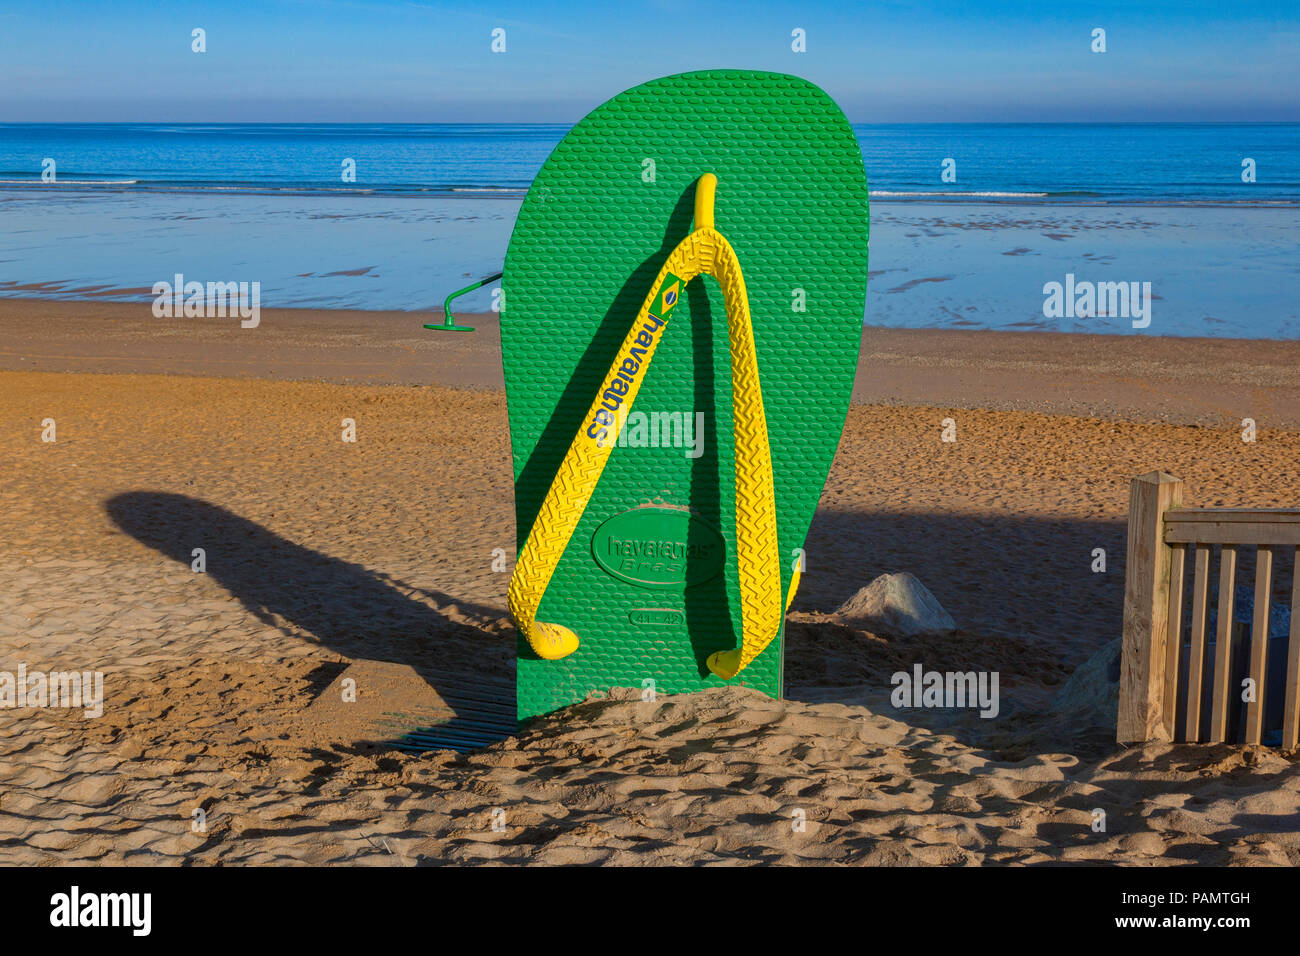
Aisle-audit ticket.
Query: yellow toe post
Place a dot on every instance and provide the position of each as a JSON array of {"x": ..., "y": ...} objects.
[{"x": 706, "y": 190}]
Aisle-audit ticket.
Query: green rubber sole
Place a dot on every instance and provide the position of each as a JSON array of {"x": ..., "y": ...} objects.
[{"x": 648, "y": 581}]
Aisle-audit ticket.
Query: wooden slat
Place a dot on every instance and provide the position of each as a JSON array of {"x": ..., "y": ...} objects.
[
  {"x": 1222, "y": 674},
  {"x": 1196, "y": 663},
  {"x": 1259, "y": 644},
  {"x": 1146, "y": 606},
  {"x": 1291, "y": 710},
  {"x": 1174, "y": 636},
  {"x": 1232, "y": 532},
  {"x": 1244, "y": 515}
]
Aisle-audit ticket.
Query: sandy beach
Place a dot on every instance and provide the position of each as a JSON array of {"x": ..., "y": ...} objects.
[{"x": 374, "y": 558}]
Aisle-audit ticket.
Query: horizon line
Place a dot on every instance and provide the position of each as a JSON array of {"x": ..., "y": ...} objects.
[{"x": 161, "y": 122}]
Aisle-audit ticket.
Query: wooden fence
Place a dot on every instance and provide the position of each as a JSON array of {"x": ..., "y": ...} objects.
[{"x": 1161, "y": 695}]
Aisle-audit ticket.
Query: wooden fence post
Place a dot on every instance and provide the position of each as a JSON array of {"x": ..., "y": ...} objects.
[{"x": 1146, "y": 609}]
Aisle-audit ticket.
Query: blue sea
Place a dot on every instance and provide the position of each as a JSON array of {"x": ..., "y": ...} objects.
[
  {"x": 1160, "y": 163},
  {"x": 431, "y": 206}
]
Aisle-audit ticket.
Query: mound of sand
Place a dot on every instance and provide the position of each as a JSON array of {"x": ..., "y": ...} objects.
[
  {"x": 897, "y": 604},
  {"x": 1091, "y": 696},
  {"x": 725, "y": 776}
]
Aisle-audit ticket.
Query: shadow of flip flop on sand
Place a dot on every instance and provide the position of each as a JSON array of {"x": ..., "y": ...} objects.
[{"x": 345, "y": 607}]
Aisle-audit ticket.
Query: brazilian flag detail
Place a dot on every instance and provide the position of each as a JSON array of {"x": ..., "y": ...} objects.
[{"x": 666, "y": 301}]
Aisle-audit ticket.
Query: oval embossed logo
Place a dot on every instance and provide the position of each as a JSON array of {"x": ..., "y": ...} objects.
[{"x": 657, "y": 547}]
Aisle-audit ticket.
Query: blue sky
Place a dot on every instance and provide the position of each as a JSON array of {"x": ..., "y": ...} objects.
[{"x": 353, "y": 60}]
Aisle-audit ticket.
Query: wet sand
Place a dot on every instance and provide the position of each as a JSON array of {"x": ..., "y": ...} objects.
[
  {"x": 1213, "y": 269},
  {"x": 1208, "y": 381}
]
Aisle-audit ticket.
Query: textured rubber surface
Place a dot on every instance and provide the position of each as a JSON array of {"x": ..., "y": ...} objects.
[
  {"x": 758, "y": 563},
  {"x": 589, "y": 242}
]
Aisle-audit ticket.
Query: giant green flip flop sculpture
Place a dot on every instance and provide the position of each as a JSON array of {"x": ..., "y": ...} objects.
[{"x": 684, "y": 293}]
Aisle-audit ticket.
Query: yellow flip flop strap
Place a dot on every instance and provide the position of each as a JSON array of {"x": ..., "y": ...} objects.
[{"x": 703, "y": 252}]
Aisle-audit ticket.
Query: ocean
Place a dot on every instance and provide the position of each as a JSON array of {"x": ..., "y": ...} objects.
[
  {"x": 1159, "y": 163},
  {"x": 431, "y": 206}
]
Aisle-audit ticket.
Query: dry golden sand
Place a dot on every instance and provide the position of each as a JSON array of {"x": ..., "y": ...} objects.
[{"x": 323, "y": 555}]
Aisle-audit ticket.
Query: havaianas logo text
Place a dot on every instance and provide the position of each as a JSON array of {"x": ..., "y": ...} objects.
[
  {"x": 658, "y": 546},
  {"x": 676, "y": 550},
  {"x": 629, "y": 369}
]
